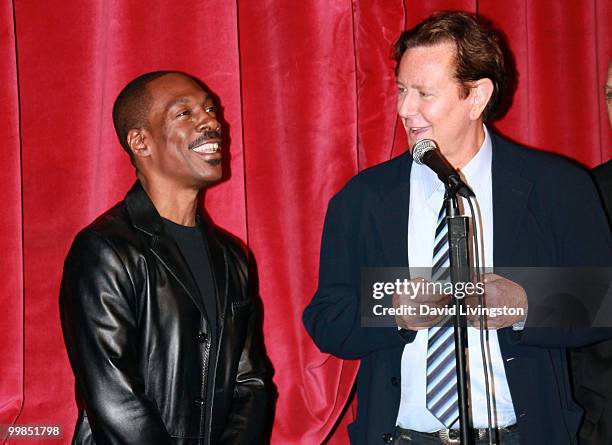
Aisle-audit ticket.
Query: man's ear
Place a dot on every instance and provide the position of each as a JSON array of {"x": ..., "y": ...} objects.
[
  {"x": 481, "y": 92},
  {"x": 136, "y": 139}
]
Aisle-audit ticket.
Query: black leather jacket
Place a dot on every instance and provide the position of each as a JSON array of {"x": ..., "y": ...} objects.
[{"x": 137, "y": 336}]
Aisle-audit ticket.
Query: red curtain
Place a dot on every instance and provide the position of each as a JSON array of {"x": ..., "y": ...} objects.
[{"x": 307, "y": 90}]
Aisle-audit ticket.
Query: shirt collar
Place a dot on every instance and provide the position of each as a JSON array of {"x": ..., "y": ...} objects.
[{"x": 476, "y": 173}]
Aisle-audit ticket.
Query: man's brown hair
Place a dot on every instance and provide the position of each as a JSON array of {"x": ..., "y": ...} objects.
[{"x": 478, "y": 51}]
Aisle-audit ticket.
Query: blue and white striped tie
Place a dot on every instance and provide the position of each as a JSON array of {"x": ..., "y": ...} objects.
[{"x": 442, "y": 398}]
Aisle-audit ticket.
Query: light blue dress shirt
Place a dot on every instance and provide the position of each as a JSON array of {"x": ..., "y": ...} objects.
[{"x": 426, "y": 196}]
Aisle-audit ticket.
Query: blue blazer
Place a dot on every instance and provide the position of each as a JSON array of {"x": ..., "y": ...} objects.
[{"x": 546, "y": 212}]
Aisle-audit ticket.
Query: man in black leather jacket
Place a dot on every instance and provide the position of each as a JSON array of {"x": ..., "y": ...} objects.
[{"x": 164, "y": 339}]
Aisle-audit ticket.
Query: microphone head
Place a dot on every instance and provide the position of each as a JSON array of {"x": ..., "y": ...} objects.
[{"x": 421, "y": 147}]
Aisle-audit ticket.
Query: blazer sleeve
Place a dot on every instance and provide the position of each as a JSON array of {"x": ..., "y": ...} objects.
[
  {"x": 99, "y": 326},
  {"x": 583, "y": 240},
  {"x": 333, "y": 316}
]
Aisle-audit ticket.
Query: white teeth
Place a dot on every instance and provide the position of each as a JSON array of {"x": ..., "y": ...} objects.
[
  {"x": 211, "y": 147},
  {"x": 416, "y": 129}
]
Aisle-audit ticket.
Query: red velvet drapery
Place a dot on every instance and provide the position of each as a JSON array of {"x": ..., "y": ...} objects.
[{"x": 307, "y": 89}]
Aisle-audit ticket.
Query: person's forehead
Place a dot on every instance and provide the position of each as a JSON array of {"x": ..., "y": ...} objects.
[
  {"x": 428, "y": 57},
  {"x": 174, "y": 87}
]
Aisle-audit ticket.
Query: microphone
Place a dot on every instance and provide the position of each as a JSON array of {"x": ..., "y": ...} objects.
[{"x": 426, "y": 152}]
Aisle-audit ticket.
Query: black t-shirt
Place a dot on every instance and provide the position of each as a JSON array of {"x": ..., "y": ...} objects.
[{"x": 192, "y": 245}]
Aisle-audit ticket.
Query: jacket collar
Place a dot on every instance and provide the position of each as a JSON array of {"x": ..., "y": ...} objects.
[
  {"x": 144, "y": 217},
  {"x": 392, "y": 212},
  {"x": 511, "y": 189}
]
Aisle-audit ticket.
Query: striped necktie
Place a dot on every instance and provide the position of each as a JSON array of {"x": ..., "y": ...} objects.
[{"x": 442, "y": 398}]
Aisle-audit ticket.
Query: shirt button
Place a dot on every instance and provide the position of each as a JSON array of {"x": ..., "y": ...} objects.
[
  {"x": 198, "y": 402},
  {"x": 394, "y": 381},
  {"x": 202, "y": 337}
]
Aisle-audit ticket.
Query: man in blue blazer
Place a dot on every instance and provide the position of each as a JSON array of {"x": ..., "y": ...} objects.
[{"x": 537, "y": 210}]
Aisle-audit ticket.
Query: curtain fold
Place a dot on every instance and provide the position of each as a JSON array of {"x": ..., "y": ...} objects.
[
  {"x": 556, "y": 47},
  {"x": 11, "y": 263},
  {"x": 308, "y": 98},
  {"x": 300, "y": 126}
]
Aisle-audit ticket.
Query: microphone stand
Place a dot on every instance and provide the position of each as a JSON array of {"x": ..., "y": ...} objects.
[{"x": 458, "y": 231}]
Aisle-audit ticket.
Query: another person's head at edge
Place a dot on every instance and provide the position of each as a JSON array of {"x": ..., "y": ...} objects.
[
  {"x": 166, "y": 121},
  {"x": 451, "y": 78}
]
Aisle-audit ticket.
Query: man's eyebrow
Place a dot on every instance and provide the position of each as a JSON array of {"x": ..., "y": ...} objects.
[
  {"x": 415, "y": 86},
  {"x": 186, "y": 100},
  {"x": 182, "y": 100}
]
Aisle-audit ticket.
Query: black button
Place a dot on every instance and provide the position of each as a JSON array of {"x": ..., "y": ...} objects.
[
  {"x": 387, "y": 438},
  {"x": 394, "y": 381},
  {"x": 202, "y": 337},
  {"x": 198, "y": 402}
]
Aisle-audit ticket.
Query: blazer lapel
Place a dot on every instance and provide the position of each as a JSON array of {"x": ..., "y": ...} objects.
[
  {"x": 144, "y": 217},
  {"x": 510, "y": 196},
  {"x": 391, "y": 216}
]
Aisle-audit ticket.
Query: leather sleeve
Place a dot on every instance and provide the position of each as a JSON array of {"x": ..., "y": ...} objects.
[
  {"x": 97, "y": 309},
  {"x": 248, "y": 418}
]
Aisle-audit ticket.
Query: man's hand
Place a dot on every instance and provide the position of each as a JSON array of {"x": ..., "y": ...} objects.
[
  {"x": 435, "y": 303},
  {"x": 499, "y": 292}
]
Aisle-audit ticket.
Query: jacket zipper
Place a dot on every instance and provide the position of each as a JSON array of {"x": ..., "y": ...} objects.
[
  {"x": 203, "y": 389},
  {"x": 220, "y": 326},
  {"x": 212, "y": 399}
]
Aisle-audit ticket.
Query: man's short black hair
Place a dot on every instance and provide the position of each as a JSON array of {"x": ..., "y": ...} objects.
[{"x": 131, "y": 108}]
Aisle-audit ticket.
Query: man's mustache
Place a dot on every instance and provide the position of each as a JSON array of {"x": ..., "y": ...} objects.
[{"x": 204, "y": 137}]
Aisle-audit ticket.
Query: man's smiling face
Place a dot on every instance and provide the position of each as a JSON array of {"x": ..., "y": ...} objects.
[
  {"x": 429, "y": 100},
  {"x": 184, "y": 135}
]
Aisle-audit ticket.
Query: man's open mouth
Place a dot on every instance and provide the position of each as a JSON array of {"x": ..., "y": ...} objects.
[
  {"x": 207, "y": 147},
  {"x": 207, "y": 143},
  {"x": 417, "y": 130}
]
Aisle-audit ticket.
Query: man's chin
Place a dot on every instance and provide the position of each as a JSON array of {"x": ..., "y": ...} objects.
[{"x": 212, "y": 177}]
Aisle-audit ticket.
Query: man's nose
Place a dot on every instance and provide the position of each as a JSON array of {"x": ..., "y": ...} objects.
[
  {"x": 206, "y": 121},
  {"x": 407, "y": 105}
]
